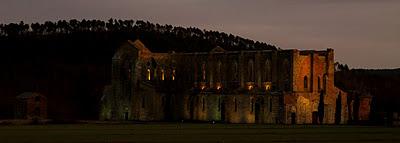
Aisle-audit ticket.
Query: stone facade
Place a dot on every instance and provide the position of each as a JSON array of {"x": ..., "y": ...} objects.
[
  {"x": 259, "y": 86},
  {"x": 360, "y": 105}
]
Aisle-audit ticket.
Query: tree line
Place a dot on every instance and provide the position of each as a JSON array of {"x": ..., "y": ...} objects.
[
  {"x": 169, "y": 37},
  {"x": 69, "y": 61}
]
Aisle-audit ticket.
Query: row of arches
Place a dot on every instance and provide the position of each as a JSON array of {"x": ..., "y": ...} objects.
[
  {"x": 250, "y": 71},
  {"x": 236, "y": 103},
  {"x": 324, "y": 82},
  {"x": 229, "y": 108},
  {"x": 158, "y": 72}
]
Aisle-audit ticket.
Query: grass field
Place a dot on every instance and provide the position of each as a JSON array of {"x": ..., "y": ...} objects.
[{"x": 121, "y": 133}]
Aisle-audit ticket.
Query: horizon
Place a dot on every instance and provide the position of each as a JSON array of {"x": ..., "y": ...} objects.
[{"x": 354, "y": 29}]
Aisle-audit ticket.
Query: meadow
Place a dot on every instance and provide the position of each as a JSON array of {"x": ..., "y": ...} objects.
[{"x": 190, "y": 132}]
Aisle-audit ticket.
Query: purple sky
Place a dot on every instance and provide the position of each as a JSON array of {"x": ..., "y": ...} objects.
[{"x": 364, "y": 33}]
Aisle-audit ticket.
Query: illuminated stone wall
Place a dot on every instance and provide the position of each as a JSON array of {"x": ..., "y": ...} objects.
[
  {"x": 231, "y": 108},
  {"x": 313, "y": 77},
  {"x": 263, "y": 86}
]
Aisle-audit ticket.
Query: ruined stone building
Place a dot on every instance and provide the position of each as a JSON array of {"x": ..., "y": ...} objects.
[
  {"x": 31, "y": 105},
  {"x": 259, "y": 86}
]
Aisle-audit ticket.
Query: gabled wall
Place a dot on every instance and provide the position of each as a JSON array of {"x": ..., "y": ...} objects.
[{"x": 263, "y": 86}]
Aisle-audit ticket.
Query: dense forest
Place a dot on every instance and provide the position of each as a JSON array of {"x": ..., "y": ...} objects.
[{"x": 69, "y": 61}]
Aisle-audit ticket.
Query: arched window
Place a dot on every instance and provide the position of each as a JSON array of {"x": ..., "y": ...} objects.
[
  {"x": 148, "y": 71},
  {"x": 163, "y": 101},
  {"x": 267, "y": 71},
  {"x": 189, "y": 103},
  {"x": 319, "y": 83},
  {"x": 162, "y": 74},
  {"x": 325, "y": 80},
  {"x": 203, "y": 71},
  {"x": 148, "y": 74},
  {"x": 204, "y": 104},
  {"x": 270, "y": 104},
  {"x": 235, "y": 71},
  {"x": 250, "y": 71},
  {"x": 173, "y": 73},
  {"x": 196, "y": 72},
  {"x": 252, "y": 105},
  {"x": 235, "y": 104},
  {"x": 305, "y": 82},
  {"x": 286, "y": 74},
  {"x": 219, "y": 71},
  {"x": 143, "y": 102},
  {"x": 219, "y": 104},
  {"x": 286, "y": 69}
]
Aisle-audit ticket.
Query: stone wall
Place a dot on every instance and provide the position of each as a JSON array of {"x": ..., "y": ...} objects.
[
  {"x": 231, "y": 108},
  {"x": 264, "y": 86}
]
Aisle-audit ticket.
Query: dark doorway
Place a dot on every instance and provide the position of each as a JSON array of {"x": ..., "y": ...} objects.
[
  {"x": 223, "y": 111},
  {"x": 293, "y": 118},
  {"x": 257, "y": 112},
  {"x": 169, "y": 107},
  {"x": 315, "y": 117},
  {"x": 126, "y": 116},
  {"x": 191, "y": 107}
]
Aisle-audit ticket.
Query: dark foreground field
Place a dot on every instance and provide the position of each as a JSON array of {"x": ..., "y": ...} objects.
[{"x": 121, "y": 133}]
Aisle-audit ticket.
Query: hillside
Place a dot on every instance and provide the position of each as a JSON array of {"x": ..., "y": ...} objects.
[{"x": 69, "y": 61}]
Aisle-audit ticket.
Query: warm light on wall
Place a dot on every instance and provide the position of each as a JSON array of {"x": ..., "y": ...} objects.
[
  {"x": 162, "y": 74},
  {"x": 173, "y": 74},
  {"x": 267, "y": 86},
  {"x": 249, "y": 87},
  {"x": 202, "y": 85},
  {"x": 148, "y": 74},
  {"x": 219, "y": 86}
]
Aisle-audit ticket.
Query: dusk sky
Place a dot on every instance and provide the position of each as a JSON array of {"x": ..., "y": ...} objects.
[{"x": 364, "y": 33}]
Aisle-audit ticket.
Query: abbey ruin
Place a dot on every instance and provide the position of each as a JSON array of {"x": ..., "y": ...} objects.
[{"x": 253, "y": 86}]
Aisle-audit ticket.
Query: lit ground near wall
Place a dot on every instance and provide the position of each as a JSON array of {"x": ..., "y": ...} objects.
[{"x": 121, "y": 133}]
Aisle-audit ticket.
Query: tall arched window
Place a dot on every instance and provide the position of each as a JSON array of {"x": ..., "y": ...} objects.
[
  {"x": 203, "y": 71},
  {"x": 173, "y": 73},
  {"x": 235, "y": 71},
  {"x": 305, "y": 82},
  {"x": 270, "y": 104},
  {"x": 325, "y": 80},
  {"x": 163, "y": 101},
  {"x": 148, "y": 71},
  {"x": 196, "y": 73},
  {"x": 319, "y": 83},
  {"x": 252, "y": 105},
  {"x": 162, "y": 74},
  {"x": 219, "y": 104},
  {"x": 148, "y": 74},
  {"x": 235, "y": 104},
  {"x": 286, "y": 74},
  {"x": 250, "y": 71},
  {"x": 143, "y": 102},
  {"x": 204, "y": 104},
  {"x": 219, "y": 71},
  {"x": 267, "y": 71}
]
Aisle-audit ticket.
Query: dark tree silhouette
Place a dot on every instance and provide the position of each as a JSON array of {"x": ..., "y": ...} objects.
[
  {"x": 68, "y": 60},
  {"x": 338, "y": 111},
  {"x": 321, "y": 105}
]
